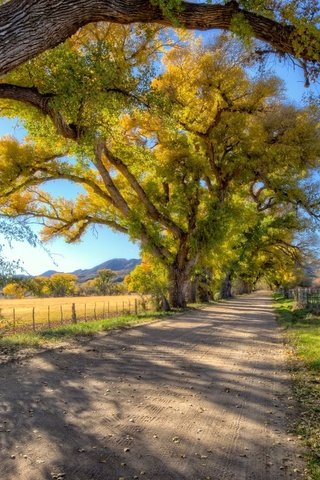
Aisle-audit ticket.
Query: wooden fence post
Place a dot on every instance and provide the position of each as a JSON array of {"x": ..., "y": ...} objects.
[
  {"x": 73, "y": 313},
  {"x": 108, "y": 309},
  {"x": 61, "y": 315},
  {"x": 306, "y": 298},
  {"x": 136, "y": 306},
  {"x": 49, "y": 324},
  {"x": 33, "y": 319},
  {"x": 95, "y": 311},
  {"x": 104, "y": 309},
  {"x": 85, "y": 312},
  {"x": 14, "y": 319}
]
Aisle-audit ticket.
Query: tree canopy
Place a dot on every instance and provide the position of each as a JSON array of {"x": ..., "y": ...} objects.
[{"x": 184, "y": 164}]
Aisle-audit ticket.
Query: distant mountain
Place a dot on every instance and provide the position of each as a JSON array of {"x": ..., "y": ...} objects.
[
  {"x": 48, "y": 273},
  {"x": 121, "y": 266}
]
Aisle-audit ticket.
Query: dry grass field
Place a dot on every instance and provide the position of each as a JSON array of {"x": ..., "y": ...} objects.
[{"x": 36, "y": 313}]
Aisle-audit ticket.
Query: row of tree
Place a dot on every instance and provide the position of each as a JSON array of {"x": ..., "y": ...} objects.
[
  {"x": 62, "y": 285},
  {"x": 175, "y": 144}
]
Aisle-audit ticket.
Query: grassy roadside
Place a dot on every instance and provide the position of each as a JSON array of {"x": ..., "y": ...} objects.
[
  {"x": 81, "y": 329},
  {"x": 303, "y": 334}
]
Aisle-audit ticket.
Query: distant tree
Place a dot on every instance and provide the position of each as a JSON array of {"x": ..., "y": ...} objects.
[
  {"x": 149, "y": 280},
  {"x": 38, "y": 286},
  {"x": 103, "y": 282},
  {"x": 15, "y": 290},
  {"x": 62, "y": 284},
  {"x": 119, "y": 288},
  {"x": 87, "y": 288}
]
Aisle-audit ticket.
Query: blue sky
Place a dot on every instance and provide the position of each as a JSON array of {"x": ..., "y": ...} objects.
[{"x": 102, "y": 244}]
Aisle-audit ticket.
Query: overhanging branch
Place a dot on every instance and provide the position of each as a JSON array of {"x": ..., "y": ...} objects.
[
  {"x": 32, "y": 96},
  {"x": 29, "y": 28}
]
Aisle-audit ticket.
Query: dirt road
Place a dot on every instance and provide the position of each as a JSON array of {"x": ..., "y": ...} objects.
[{"x": 201, "y": 396}]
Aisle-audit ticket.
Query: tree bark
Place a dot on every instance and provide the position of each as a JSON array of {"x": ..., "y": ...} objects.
[
  {"x": 178, "y": 287},
  {"x": 193, "y": 289},
  {"x": 31, "y": 96},
  {"x": 226, "y": 286},
  {"x": 247, "y": 287},
  {"x": 244, "y": 287},
  {"x": 165, "y": 305},
  {"x": 29, "y": 27},
  {"x": 204, "y": 293}
]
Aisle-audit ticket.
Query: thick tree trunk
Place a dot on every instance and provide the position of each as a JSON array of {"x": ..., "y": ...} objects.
[
  {"x": 246, "y": 287},
  {"x": 204, "y": 294},
  {"x": 226, "y": 286},
  {"x": 161, "y": 303},
  {"x": 178, "y": 288},
  {"x": 29, "y": 27},
  {"x": 199, "y": 289},
  {"x": 205, "y": 286},
  {"x": 286, "y": 292},
  {"x": 165, "y": 305},
  {"x": 192, "y": 290}
]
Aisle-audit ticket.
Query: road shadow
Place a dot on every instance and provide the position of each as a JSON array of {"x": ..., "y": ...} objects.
[{"x": 194, "y": 397}]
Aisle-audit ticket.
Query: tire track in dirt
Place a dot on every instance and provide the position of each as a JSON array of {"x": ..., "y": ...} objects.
[{"x": 201, "y": 396}]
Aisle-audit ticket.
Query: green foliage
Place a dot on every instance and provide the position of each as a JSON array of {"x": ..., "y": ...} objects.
[
  {"x": 169, "y": 7},
  {"x": 303, "y": 333},
  {"x": 303, "y": 328},
  {"x": 103, "y": 282},
  {"x": 81, "y": 329},
  {"x": 37, "y": 286},
  {"x": 241, "y": 28},
  {"x": 191, "y": 166},
  {"x": 149, "y": 279},
  {"x": 62, "y": 284}
]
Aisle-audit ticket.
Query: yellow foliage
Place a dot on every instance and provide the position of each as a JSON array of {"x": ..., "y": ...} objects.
[{"x": 14, "y": 290}]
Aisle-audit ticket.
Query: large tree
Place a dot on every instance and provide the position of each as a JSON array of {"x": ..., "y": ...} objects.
[
  {"x": 167, "y": 163},
  {"x": 29, "y": 27}
]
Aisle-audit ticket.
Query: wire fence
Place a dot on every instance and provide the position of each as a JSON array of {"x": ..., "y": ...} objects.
[
  {"x": 46, "y": 316},
  {"x": 304, "y": 297}
]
